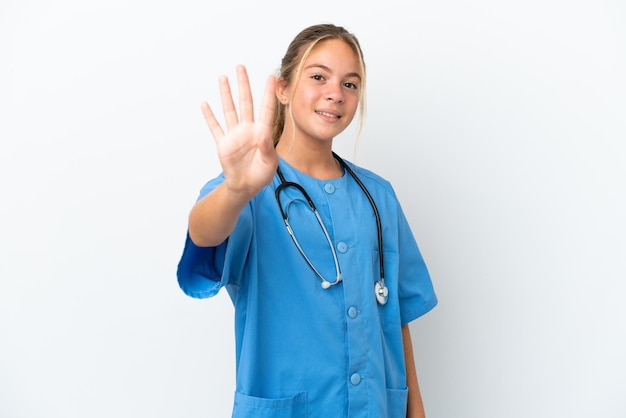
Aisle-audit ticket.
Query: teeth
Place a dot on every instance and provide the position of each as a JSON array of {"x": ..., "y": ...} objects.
[{"x": 330, "y": 115}]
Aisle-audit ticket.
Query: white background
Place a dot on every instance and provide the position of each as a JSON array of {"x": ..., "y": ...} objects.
[{"x": 500, "y": 123}]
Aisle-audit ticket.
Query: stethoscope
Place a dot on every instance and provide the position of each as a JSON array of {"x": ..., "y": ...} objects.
[{"x": 380, "y": 289}]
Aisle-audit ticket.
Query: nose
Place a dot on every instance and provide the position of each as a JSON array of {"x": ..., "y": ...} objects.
[{"x": 334, "y": 94}]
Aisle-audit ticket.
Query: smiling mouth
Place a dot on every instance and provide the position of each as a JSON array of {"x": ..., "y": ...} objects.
[{"x": 328, "y": 115}]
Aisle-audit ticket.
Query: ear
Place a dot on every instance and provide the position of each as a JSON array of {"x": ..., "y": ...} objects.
[{"x": 282, "y": 93}]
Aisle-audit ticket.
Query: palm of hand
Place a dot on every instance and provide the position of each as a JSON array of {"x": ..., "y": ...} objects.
[
  {"x": 246, "y": 151},
  {"x": 248, "y": 157}
]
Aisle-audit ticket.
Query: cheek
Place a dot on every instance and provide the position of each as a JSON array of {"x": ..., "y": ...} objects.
[
  {"x": 308, "y": 97},
  {"x": 353, "y": 103},
  {"x": 304, "y": 103}
]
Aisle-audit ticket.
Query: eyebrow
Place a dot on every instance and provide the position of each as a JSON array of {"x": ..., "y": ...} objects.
[{"x": 323, "y": 67}]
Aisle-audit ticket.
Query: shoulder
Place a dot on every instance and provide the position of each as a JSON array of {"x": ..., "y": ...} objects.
[
  {"x": 210, "y": 185},
  {"x": 371, "y": 180}
]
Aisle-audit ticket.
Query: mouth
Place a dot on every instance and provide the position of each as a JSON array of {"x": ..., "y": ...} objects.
[{"x": 328, "y": 114}]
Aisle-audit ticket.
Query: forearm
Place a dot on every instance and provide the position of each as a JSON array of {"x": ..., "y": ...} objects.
[
  {"x": 415, "y": 406},
  {"x": 213, "y": 218}
]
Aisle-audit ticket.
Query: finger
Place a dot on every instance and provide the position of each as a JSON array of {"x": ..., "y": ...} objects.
[
  {"x": 228, "y": 106},
  {"x": 246, "y": 107},
  {"x": 211, "y": 121},
  {"x": 268, "y": 103}
]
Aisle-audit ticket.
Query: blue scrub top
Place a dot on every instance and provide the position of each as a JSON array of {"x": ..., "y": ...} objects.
[{"x": 301, "y": 350}]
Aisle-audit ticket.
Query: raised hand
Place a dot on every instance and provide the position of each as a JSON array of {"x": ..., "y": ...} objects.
[{"x": 246, "y": 150}]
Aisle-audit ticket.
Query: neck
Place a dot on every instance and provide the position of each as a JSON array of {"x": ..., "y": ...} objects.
[{"x": 316, "y": 160}]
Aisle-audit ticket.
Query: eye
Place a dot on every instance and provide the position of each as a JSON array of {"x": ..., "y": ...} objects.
[
  {"x": 351, "y": 85},
  {"x": 317, "y": 77}
]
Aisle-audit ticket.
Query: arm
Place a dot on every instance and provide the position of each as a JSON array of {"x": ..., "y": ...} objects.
[
  {"x": 247, "y": 155},
  {"x": 415, "y": 407},
  {"x": 214, "y": 217}
]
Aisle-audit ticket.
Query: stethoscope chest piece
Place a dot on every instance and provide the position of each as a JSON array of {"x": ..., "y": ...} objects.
[{"x": 381, "y": 291}]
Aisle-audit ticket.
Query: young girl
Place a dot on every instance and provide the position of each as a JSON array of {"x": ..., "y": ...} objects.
[{"x": 315, "y": 252}]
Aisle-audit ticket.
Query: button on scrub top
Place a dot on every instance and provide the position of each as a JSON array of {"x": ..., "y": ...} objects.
[{"x": 301, "y": 350}]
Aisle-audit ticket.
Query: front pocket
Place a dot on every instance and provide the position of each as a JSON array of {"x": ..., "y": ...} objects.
[
  {"x": 253, "y": 407},
  {"x": 396, "y": 402}
]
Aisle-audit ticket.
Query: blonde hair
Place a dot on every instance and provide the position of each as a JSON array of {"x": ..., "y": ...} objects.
[{"x": 298, "y": 51}]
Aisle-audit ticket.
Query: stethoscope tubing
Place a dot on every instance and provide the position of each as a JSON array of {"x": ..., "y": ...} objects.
[
  {"x": 325, "y": 284},
  {"x": 380, "y": 287},
  {"x": 379, "y": 227}
]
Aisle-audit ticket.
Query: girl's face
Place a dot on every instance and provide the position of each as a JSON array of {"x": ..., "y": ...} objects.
[{"x": 326, "y": 96}]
